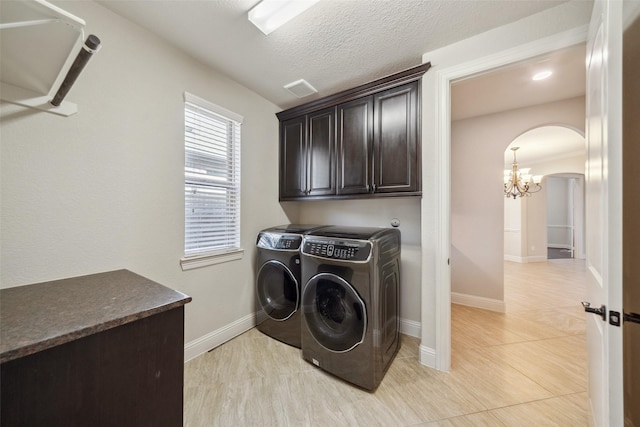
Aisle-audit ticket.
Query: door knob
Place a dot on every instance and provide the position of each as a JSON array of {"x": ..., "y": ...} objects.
[{"x": 602, "y": 311}]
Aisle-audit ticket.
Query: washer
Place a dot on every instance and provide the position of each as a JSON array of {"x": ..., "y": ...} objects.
[
  {"x": 278, "y": 281},
  {"x": 350, "y": 301}
]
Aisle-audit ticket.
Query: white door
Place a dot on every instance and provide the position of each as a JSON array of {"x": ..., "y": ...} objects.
[{"x": 604, "y": 210}]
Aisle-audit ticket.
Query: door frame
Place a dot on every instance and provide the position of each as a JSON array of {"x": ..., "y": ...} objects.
[{"x": 444, "y": 77}]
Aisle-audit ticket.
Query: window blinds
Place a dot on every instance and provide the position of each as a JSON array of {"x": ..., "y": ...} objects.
[{"x": 211, "y": 177}]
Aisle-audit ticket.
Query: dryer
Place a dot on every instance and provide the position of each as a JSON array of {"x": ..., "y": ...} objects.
[
  {"x": 350, "y": 301},
  {"x": 278, "y": 285}
]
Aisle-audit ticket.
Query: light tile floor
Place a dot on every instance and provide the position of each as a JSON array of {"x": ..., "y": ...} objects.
[{"x": 526, "y": 367}]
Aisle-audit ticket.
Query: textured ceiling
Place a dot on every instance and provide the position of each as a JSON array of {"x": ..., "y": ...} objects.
[{"x": 335, "y": 45}]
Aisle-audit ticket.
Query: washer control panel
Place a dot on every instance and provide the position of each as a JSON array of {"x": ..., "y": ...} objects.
[
  {"x": 285, "y": 242},
  {"x": 348, "y": 250}
]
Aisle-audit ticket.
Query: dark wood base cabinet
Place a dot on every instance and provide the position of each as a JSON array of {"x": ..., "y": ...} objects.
[
  {"x": 100, "y": 350},
  {"x": 360, "y": 143},
  {"x": 130, "y": 375}
]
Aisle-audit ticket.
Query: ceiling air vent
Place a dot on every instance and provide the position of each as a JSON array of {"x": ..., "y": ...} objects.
[{"x": 300, "y": 88}]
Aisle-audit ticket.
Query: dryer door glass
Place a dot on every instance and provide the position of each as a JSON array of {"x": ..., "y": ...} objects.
[
  {"x": 278, "y": 290},
  {"x": 334, "y": 312}
]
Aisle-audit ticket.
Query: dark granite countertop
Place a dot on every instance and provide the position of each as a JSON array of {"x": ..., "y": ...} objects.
[{"x": 43, "y": 315}]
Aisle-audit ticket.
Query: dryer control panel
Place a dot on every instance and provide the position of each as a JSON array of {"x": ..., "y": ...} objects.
[
  {"x": 348, "y": 250},
  {"x": 284, "y": 242}
]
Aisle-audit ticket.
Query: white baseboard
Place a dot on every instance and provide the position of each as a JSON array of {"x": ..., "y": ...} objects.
[
  {"x": 427, "y": 356},
  {"x": 478, "y": 302},
  {"x": 524, "y": 260},
  {"x": 411, "y": 328},
  {"x": 219, "y": 336}
]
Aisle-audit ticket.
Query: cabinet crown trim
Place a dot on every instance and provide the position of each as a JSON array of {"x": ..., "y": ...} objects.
[{"x": 397, "y": 79}]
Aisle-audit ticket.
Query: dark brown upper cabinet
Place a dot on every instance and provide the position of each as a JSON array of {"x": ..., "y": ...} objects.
[
  {"x": 321, "y": 151},
  {"x": 293, "y": 148},
  {"x": 396, "y": 151},
  {"x": 307, "y": 150},
  {"x": 363, "y": 142},
  {"x": 355, "y": 144}
]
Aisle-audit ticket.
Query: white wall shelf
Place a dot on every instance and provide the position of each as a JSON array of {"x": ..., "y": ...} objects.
[{"x": 37, "y": 40}]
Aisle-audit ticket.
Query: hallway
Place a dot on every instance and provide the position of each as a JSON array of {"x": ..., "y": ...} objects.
[
  {"x": 541, "y": 338},
  {"x": 526, "y": 367}
]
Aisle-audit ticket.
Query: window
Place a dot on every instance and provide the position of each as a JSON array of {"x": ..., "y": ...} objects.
[{"x": 211, "y": 182}]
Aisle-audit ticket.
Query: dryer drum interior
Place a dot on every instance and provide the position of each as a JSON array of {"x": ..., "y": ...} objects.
[
  {"x": 277, "y": 290},
  {"x": 334, "y": 312}
]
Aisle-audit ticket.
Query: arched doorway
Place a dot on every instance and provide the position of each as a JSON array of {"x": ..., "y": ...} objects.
[{"x": 557, "y": 153}]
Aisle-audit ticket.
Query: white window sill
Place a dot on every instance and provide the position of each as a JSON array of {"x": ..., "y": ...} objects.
[{"x": 198, "y": 261}]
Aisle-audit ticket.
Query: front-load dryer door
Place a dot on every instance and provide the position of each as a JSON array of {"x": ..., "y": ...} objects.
[
  {"x": 334, "y": 312},
  {"x": 278, "y": 290}
]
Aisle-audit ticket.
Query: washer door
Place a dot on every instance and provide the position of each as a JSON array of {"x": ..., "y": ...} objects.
[
  {"x": 278, "y": 290},
  {"x": 334, "y": 312}
]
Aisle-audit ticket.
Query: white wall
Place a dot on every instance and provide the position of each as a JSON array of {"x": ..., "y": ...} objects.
[
  {"x": 379, "y": 213},
  {"x": 103, "y": 189},
  {"x": 515, "y": 225},
  {"x": 570, "y": 165},
  {"x": 493, "y": 44},
  {"x": 477, "y": 200}
]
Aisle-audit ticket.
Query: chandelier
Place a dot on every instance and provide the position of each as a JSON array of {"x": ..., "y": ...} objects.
[{"x": 519, "y": 182}]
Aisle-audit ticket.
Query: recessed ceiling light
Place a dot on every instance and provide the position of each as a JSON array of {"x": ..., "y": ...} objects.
[{"x": 542, "y": 75}]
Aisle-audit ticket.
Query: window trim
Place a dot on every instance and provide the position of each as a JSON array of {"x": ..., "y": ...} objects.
[
  {"x": 203, "y": 259},
  {"x": 189, "y": 97}
]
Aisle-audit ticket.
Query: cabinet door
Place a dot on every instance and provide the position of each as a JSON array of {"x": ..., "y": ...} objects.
[
  {"x": 355, "y": 125},
  {"x": 395, "y": 158},
  {"x": 130, "y": 375},
  {"x": 321, "y": 152},
  {"x": 293, "y": 180}
]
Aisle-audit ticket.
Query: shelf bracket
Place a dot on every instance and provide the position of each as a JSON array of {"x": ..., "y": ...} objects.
[
  {"x": 22, "y": 24},
  {"x": 38, "y": 41}
]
